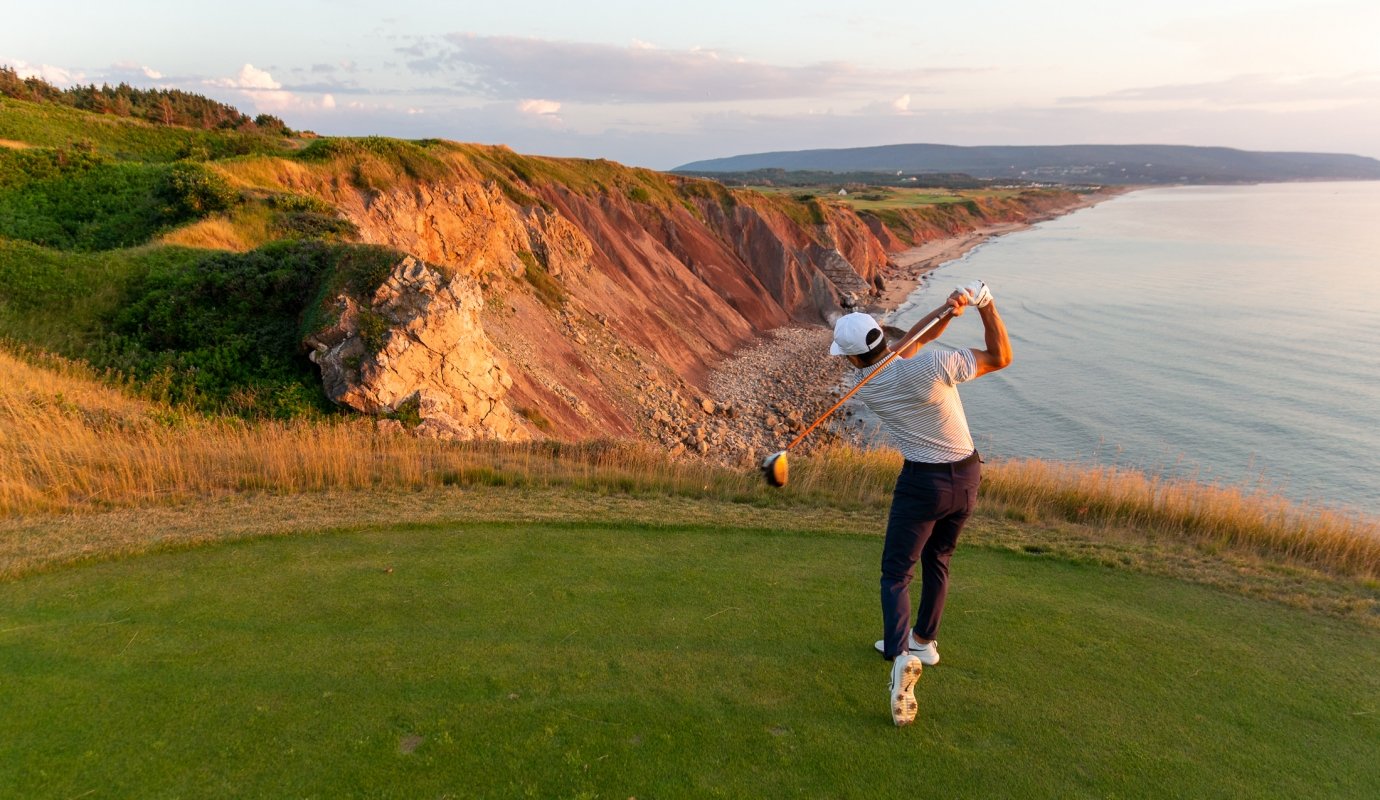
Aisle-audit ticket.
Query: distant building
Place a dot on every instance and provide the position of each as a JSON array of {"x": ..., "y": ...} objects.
[{"x": 843, "y": 192}]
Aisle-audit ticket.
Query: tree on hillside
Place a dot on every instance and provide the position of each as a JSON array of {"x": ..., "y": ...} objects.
[{"x": 159, "y": 106}]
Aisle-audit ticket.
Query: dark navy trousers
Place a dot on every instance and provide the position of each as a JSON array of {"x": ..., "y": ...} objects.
[{"x": 928, "y": 509}]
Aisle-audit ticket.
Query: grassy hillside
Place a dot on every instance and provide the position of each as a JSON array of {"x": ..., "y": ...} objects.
[
  {"x": 114, "y": 235},
  {"x": 46, "y": 125}
]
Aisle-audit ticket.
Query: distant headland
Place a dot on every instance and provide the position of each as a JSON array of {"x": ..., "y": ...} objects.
[{"x": 1064, "y": 164}]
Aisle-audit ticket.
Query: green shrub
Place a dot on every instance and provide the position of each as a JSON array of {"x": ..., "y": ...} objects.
[
  {"x": 92, "y": 207},
  {"x": 18, "y": 167},
  {"x": 312, "y": 225},
  {"x": 373, "y": 329},
  {"x": 548, "y": 290},
  {"x": 299, "y": 202},
  {"x": 75, "y": 200},
  {"x": 194, "y": 191},
  {"x": 408, "y": 412},
  {"x": 538, "y": 419},
  {"x": 226, "y": 334}
]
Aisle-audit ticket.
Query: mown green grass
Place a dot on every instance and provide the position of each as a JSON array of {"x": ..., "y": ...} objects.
[{"x": 631, "y": 660}]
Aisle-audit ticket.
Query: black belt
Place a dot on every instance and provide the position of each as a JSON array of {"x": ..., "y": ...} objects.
[{"x": 946, "y": 466}]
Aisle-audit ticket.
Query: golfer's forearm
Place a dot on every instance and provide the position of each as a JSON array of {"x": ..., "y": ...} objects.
[
  {"x": 994, "y": 331},
  {"x": 929, "y": 335}
]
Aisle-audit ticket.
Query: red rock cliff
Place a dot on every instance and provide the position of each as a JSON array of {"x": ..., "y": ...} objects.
[{"x": 602, "y": 294}]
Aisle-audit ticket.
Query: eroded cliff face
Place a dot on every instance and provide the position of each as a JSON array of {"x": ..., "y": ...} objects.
[
  {"x": 551, "y": 312},
  {"x": 418, "y": 341}
]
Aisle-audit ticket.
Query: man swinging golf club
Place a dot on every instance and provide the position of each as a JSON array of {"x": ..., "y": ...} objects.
[{"x": 916, "y": 399}]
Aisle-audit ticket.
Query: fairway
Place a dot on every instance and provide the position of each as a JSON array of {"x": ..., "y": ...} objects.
[{"x": 643, "y": 661}]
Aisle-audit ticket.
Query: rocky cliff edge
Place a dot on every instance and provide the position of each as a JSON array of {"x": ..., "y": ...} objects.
[{"x": 558, "y": 298}]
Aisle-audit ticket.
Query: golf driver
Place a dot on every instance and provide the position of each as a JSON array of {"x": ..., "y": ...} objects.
[{"x": 775, "y": 467}]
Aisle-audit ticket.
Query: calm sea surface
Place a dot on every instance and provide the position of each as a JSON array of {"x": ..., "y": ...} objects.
[{"x": 1229, "y": 334}]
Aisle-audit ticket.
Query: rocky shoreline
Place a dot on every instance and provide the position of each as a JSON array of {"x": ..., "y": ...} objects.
[{"x": 784, "y": 381}]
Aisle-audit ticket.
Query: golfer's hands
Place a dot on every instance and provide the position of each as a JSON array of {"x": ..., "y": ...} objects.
[
  {"x": 958, "y": 301},
  {"x": 978, "y": 294}
]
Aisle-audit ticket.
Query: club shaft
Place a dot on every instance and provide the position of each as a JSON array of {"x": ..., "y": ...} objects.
[{"x": 943, "y": 315}]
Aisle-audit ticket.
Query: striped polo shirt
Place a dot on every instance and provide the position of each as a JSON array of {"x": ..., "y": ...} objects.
[{"x": 916, "y": 400}]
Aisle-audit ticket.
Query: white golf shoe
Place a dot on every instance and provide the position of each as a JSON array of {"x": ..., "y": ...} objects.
[
  {"x": 927, "y": 653},
  {"x": 905, "y": 671}
]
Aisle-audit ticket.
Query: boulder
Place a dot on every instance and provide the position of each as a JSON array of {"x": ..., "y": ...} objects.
[{"x": 418, "y": 339}]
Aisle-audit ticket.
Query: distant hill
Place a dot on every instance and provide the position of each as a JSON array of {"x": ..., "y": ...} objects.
[{"x": 1066, "y": 164}]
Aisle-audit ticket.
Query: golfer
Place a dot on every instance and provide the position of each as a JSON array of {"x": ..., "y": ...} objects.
[{"x": 916, "y": 399}]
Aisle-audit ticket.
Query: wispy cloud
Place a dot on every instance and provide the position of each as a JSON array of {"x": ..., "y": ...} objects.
[
  {"x": 509, "y": 67},
  {"x": 1278, "y": 92},
  {"x": 133, "y": 71}
]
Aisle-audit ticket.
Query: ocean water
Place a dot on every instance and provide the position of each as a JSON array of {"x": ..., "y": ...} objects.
[{"x": 1226, "y": 334}]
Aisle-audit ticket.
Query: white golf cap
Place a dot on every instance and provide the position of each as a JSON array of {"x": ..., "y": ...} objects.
[{"x": 853, "y": 334}]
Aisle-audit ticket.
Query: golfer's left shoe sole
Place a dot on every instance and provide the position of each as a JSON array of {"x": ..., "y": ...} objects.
[{"x": 903, "y": 704}]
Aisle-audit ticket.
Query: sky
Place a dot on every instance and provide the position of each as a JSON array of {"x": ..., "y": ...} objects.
[{"x": 658, "y": 85}]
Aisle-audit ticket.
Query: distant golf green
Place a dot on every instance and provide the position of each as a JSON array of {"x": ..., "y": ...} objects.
[{"x": 625, "y": 661}]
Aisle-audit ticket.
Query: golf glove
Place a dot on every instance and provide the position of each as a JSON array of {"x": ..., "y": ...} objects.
[{"x": 978, "y": 294}]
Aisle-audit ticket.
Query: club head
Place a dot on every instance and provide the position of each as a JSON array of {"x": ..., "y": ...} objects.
[{"x": 775, "y": 469}]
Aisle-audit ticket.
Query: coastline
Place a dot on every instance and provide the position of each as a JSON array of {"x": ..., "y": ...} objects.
[
  {"x": 914, "y": 264},
  {"x": 786, "y": 379}
]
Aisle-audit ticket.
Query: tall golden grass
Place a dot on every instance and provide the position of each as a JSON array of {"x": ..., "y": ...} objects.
[
  {"x": 215, "y": 233},
  {"x": 70, "y": 443},
  {"x": 1215, "y": 516}
]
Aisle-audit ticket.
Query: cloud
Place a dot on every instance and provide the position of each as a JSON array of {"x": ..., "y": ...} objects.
[
  {"x": 1264, "y": 92},
  {"x": 509, "y": 67},
  {"x": 902, "y": 103},
  {"x": 52, "y": 74},
  {"x": 249, "y": 79},
  {"x": 131, "y": 72},
  {"x": 267, "y": 94},
  {"x": 539, "y": 107}
]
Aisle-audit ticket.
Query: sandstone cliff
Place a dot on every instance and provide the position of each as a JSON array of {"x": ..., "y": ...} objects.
[{"x": 575, "y": 299}]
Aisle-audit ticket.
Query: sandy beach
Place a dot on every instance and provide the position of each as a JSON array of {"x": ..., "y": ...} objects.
[{"x": 914, "y": 264}]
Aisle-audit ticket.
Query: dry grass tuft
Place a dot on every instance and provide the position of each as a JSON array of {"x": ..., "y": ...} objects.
[
  {"x": 215, "y": 233},
  {"x": 68, "y": 443},
  {"x": 268, "y": 172},
  {"x": 1216, "y": 517}
]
